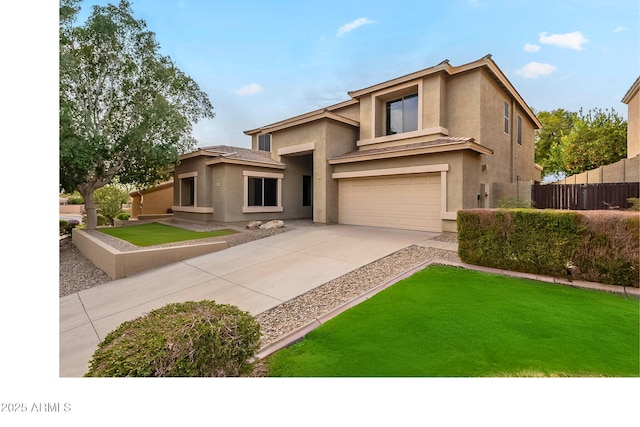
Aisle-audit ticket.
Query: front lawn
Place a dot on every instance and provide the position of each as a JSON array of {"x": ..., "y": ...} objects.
[
  {"x": 157, "y": 234},
  {"x": 451, "y": 322}
]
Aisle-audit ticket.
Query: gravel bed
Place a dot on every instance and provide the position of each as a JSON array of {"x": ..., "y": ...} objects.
[{"x": 76, "y": 271}]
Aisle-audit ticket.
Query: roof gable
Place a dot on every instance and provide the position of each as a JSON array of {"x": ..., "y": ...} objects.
[{"x": 445, "y": 67}]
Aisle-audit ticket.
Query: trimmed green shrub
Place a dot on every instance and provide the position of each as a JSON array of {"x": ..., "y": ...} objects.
[
  {"x": 191, "y": 339},
  {"x": 599, "y": 246},
  {"x": 609, "y": 251},
  {"x": 123, "y": 216},
  {"x": 102, "y": 220},
  {"x": 67, "y": 226},
  {"x": 75, "y": 200},
  {"x": 635, "y": 203}
]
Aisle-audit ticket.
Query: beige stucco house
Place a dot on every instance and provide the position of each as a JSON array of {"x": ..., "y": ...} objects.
[
  {"x": 406, "y": 153},
  {"x": 632, "y": 99},
  {"x": 152, "y": 202}
]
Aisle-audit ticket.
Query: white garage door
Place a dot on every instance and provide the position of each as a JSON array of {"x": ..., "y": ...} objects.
[{"x": 409, "y": 202}]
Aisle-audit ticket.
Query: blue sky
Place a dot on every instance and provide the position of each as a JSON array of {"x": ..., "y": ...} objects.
[{"x": 263, "y": 61}]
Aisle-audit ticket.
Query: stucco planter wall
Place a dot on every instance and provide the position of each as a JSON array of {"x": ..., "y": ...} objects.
[
  {"x": 72, "y": 209},
  {"x": 118, "y": 264}
]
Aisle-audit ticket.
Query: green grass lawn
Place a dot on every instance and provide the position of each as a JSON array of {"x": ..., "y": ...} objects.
[
  {"x": 451, "y": 322},
  {"x": 157, "y": 234}
]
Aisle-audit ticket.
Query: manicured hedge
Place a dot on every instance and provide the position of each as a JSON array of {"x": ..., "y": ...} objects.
[
  {"x": 191, "y": 339},
  {"x": 599, "y": 246}
]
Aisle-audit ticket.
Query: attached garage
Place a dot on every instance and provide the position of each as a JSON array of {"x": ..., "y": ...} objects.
[{"x": 410, "y": 201}]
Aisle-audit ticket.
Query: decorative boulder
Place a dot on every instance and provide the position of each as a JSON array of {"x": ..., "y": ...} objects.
[
  {"x": 254, "y": 224},
  {"x": 276, "y": 223}
]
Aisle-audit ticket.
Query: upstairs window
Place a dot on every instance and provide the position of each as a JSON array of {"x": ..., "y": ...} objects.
[
  {"x": 402, "y": 114},
  {"x": 519, "y": 130},
  {"x": 264, "y": 142},
  {"x": 506, "y": 118}
]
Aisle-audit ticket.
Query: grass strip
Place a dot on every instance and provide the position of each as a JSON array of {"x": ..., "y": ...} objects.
[
  {"x": 157, "y": 234},
  {"x": 451, "y": 322}
]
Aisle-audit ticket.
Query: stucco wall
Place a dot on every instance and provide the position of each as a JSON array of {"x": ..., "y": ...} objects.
[
  {"x": 434, "y": 101},
  {"x": 152, "y": 201},
  {"x": 196, "y": 164},
  {"x": 517, "y": 191},
  {"x": 633, "y": 126},
  {"x": 119, "y": 264},
  {"x": 625, "y": 170},
  {"x": 463, "y": 105}
]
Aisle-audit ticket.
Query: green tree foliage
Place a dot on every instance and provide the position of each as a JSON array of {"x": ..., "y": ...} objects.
[
  {"x": 555, "y": 125},
  {"x": 569, "y": 143},
  {"x": 598, "y": 138},
  {"x": 110, "y": 199},
  {"x": 126, "y": 111}
]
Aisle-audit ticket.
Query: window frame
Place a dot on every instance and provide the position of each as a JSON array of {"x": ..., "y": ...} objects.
[
  {"x": 388, "y": 115},
  {"x": 519, "y": 139},
  {"x": 192, "y": 179},
  {"x": 262, "y": 140},
  {"x": 506, "y": 118},
  {"x": 260, "y": 184},
  {"x": 251, "y": 208},
  {"x": 378, "y": 110}
]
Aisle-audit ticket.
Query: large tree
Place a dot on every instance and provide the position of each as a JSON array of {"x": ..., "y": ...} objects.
[
  {"x": 555, "y": 125},
  {"x": 126, "y": 111},
  {"x": 598, "y": 138}
]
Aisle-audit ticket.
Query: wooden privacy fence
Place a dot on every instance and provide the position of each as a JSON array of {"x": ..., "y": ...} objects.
[{"x": 584, "y": 196}]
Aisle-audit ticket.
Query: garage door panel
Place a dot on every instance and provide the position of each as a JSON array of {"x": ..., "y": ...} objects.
[{"x": 403, "y": 201}]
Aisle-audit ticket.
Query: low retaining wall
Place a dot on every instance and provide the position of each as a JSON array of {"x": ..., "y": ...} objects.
[
  {"x": 118, "y": 264},
  {"x": 71, "y": 209}
]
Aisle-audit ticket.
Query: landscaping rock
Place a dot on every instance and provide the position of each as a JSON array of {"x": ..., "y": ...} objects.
[
  {"x": 276, "y": 223},
  {"x": 253, "y": 225}
]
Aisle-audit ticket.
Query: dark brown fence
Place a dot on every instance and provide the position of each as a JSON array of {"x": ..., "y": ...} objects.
[{"x": 584, "y": 196}]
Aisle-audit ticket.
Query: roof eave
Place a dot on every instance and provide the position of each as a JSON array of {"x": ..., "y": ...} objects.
[
  {"x": 302, "y": 118},
  {"x": 633, "y": 90},
  {"x": 441, "y": 148},
  {"x": 243, "y": 162}
]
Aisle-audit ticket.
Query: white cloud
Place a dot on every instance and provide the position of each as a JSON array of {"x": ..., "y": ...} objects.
[
  {"x": 250, "y": 89},
  {"x": 531, "y": 47},
  {"x": 346, "y": 28},
  {"x": 573, "y": 40},
  {"x": 620, "y": 29},
  {"x": 533, "y": 70}
]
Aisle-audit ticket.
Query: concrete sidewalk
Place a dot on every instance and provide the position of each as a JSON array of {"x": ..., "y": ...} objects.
[{"x": 255, "y": 276}]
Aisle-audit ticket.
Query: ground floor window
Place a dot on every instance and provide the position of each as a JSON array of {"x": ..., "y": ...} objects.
[
  {"x": 262, "y": 192},
  {"x": 187, "y": 189}
]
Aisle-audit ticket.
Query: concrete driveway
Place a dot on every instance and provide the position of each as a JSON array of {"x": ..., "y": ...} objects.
[{"x": 255, "y": 276}]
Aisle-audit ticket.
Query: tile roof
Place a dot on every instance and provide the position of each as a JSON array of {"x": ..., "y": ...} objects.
[{"x": 238, "y": 153}]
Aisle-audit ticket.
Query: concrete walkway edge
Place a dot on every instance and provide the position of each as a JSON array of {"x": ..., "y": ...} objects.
[{"x": 300, "y": 333}]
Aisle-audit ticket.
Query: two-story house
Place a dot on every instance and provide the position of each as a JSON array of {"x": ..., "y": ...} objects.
[{"x": 406, "y": 153}]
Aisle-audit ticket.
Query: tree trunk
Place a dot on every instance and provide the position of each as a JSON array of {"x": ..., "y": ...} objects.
[{"x": 90, "y": 207}]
